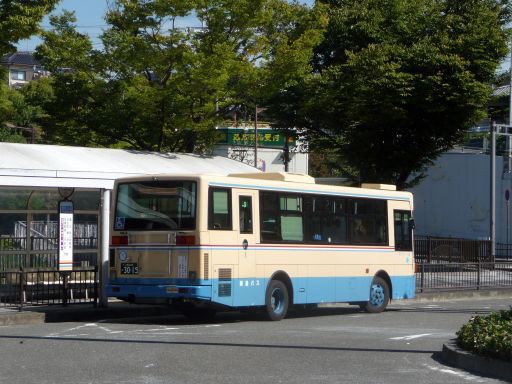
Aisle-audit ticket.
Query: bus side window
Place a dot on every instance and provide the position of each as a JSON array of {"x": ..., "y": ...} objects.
[
  {"x": 219, "y": 214},
  {"x": 403, "y": 231},
  {"x": 269, "y": 217},
  {"x": 367, "y": 221},
  {"x": 292, "y": 228}
]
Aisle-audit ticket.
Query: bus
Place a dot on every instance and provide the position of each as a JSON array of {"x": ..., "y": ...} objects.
[{"x": 262, "y": 241}]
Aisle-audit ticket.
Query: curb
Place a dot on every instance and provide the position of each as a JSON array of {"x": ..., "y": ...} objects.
[
  {"x": 67, "y": 314},
  {"x": 21, "y": 318},
  {"x": 459, "y": 358},
  {"x": 503, "y": 293}
]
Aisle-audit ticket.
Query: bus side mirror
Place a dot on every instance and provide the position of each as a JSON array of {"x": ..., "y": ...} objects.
[{"x": 412, "y": 223}]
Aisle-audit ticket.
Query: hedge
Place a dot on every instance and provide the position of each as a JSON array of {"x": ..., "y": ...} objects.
[{"x": 489, "y": 336}]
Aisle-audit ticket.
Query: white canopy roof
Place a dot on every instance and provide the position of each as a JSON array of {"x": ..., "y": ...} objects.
[{"x": 79, "y": 167}]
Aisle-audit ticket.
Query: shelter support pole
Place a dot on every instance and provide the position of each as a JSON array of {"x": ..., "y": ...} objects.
[{"x": 104, "y": 250}]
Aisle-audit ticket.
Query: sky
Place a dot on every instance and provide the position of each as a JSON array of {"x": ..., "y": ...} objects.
[{"x": 89, "y": 19}]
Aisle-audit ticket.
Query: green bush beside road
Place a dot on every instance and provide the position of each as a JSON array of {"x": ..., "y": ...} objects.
[{"x": 489, "y": 336}]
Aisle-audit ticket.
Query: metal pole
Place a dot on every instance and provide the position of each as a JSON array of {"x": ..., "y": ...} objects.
[
  {"x": 256, "y": 137},
  {"x": 509, "y": 138},
  {"x": 104, "y": 246},
  {"x": 493, "y": 191}
]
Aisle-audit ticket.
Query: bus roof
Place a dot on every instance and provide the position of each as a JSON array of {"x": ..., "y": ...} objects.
[{"x": 277, "y": 176}]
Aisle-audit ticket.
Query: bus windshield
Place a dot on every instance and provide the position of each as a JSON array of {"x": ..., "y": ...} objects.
[{"x": 156, "y": 205}]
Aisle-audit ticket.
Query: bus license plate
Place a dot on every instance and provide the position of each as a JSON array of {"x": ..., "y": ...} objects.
[{"x": 129, "y": 269}]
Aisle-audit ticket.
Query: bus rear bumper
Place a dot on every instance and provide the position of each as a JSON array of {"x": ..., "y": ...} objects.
[{"x": 171, "y": 292}]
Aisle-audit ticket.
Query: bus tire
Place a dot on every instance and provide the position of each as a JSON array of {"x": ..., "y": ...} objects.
[
  {"x": 379, "y": 296},
  {"x": 276, "y": 300}
]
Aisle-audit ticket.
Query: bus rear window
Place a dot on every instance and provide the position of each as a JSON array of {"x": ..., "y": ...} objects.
[{"x": 156, "y": 205}]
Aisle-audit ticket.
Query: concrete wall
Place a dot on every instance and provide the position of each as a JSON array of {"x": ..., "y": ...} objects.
[{"x": 454, "y": 199}]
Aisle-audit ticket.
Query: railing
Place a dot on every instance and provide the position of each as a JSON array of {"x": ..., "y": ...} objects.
[
  {"x": 13, "y": 243},
  {"x": 463, "y": 276},
  {"x": 42, "y": 252},
  {"x": 450, "y": 250},
  {"x": 45, "y": 287},
  {"x": 503, "y": 251}
]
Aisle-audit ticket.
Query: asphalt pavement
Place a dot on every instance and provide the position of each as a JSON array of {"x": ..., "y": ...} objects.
[{"x": 336, "y": 343}]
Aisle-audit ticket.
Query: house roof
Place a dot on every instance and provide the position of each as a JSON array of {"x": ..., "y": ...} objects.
[
  {"x": 60, "y": 166},
  {"x": 20, "y": 58}
]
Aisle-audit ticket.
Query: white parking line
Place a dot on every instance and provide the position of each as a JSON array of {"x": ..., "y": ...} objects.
[
  {"x": 411, "y": 337},
  {"x": 460, "y": 374},
  {"x": 164, "y": 330}
]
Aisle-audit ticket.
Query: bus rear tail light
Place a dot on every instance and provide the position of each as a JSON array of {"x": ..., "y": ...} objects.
[
  {"x": 185, "y": 240},
  {"x": 119, "y": 240}
]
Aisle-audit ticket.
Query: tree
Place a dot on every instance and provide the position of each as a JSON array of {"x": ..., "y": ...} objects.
[
  {"x": 159, "y": 87},
  {"x": 18, "y": 20},
  {"x": 398, "y": 82}
]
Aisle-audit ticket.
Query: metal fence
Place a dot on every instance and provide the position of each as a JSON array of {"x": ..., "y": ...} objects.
[
  {"x": 45, "y": 287},
  {"x": 455, "y": 250},
  {"x": 463, "y": 276},
  {"x": 450, "y": 250}
]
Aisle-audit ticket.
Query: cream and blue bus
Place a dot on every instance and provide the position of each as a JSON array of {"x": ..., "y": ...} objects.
[{"x": 259, "y": 240}]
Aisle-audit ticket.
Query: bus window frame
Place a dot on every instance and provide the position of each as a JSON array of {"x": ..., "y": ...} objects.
[
  {"x": 144, "y": 182},
  {"x": 211, "y": 224},
  {"x": 402, "y": 213}
]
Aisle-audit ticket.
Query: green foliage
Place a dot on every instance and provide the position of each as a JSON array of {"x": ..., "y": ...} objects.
[
  {"x": 160, "y": 88},
  {"x": 488, "y": 335},
  {"x": 20, "y": 19},
  {"x": 16, "y": 113}
]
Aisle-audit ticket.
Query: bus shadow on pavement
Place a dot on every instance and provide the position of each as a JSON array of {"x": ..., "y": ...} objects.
[{"x": 226, "y": 317}]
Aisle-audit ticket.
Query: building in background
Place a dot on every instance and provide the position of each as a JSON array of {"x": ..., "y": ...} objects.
[
  {"x": 454, "y": 198},
  {"x": 22, "y": 68}
]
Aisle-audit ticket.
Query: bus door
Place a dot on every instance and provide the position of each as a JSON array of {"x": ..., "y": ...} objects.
[{"x": 245, "y": 215}]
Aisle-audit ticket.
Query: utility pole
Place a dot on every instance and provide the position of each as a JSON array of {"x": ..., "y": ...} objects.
[
  {"x": 256, "y": 137},
  {"x": 492, "y": 223},
  {"x": 496, "y": 130},
  {"x": 509, "y": 139}
]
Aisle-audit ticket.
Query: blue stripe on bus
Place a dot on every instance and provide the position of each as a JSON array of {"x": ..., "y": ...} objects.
[
  {"x": 316, "y": 192},
  {"x": 251, "y": 291}
]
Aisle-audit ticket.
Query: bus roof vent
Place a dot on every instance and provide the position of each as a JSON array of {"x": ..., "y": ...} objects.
[
  {"x": 386, "y": 187},
  {"x": 277, "y": 176}
]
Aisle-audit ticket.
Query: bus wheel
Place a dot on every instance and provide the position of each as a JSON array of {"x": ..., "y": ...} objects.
[
  {"x": 379, "y": 296},
  {"x": 276, "y": 300}
]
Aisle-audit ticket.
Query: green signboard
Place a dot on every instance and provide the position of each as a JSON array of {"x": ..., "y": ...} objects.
[{"x": 267, "y": 137}]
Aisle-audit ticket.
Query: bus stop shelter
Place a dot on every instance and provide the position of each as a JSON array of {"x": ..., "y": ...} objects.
[{"x": 35, "y": 178}]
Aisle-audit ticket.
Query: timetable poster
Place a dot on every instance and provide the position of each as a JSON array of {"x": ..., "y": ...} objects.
[{"x": 65, "y": 235}]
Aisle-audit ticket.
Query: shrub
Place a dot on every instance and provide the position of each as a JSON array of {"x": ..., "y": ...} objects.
[{"x": 489, "y": 336}]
